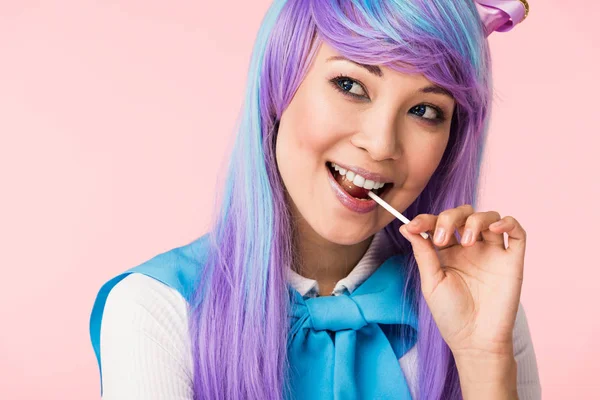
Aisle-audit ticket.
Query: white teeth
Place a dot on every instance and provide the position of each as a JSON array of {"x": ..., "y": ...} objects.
[{"x": 358, "y": 180}]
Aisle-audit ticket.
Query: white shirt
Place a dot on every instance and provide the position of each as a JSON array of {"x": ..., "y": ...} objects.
[{"x": 146, "y": 350}]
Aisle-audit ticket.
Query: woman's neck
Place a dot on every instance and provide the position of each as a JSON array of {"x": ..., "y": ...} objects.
[{"x": 324, "y": 261}]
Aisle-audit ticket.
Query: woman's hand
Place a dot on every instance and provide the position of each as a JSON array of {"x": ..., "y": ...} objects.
[{"x": 472, "y": 288}]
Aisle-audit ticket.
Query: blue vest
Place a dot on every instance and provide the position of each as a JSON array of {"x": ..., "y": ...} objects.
[{"x": 341, "y": 347}]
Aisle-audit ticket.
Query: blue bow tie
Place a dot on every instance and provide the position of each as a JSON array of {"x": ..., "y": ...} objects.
[{"x": 348, "y": 346}]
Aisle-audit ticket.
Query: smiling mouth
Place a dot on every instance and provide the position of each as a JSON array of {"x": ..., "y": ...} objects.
[{"x": 356, "y": 190}]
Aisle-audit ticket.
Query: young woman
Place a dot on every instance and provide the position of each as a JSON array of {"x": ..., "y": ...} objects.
[{"x": 304, "y": 287}]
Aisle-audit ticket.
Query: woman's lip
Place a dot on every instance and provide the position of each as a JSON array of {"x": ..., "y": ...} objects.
[
  {"x": 366, "y": 174},
  {"x": 353, "y": 204}
]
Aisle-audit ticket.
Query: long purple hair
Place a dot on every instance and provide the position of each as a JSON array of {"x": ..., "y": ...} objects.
[{"x": 239, "y": 311}]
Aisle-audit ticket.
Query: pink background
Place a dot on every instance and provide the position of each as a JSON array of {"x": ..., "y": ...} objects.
[{"x": 115, "y": 117}]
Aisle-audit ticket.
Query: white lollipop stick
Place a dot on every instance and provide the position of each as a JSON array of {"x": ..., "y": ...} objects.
[{"x": 394, "y": 212}]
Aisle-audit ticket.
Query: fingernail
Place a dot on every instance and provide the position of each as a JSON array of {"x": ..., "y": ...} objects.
[
  {"x": 468, "y": 235},
  {"x": 402, "y": 231},
  {"x": 440, "y": 234}
]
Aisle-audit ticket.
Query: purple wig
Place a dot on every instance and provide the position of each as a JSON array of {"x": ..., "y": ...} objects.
[{"x": 239, "y": 313}]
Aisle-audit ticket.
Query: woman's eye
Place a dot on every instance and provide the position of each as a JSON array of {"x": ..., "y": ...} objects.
[
  {"x": 350, "y": 87},
  {"x": 346, "y": 85},
  {"x": 430, "y": 113}
]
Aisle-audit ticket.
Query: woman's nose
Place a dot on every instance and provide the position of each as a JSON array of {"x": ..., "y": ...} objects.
[{"x": 380, "y": 139}]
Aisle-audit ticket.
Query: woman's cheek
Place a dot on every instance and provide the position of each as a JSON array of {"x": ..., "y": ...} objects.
[{"x": 325, "y": 123}]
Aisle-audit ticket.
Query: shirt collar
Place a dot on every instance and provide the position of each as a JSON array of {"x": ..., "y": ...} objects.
[{"x": 376, "y": 253}]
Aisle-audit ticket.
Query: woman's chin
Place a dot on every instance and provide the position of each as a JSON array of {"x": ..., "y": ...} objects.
[{"x": 346, "y": 234}]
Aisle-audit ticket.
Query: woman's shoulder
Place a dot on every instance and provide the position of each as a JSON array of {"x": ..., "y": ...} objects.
[
  {"x": 141, "y": 307},
  {"x": 178, "y": 267},
  {"x": 150, "y": 297},
  {"x": 140, "y": 291},
  {"x": 171, "y": 272},
  {"x": 146, "y": 350},
  {"x": 159, "y": 288}
]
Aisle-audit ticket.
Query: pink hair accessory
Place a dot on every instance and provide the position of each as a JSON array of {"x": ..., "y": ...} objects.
[{"x": 501, "y": 15}]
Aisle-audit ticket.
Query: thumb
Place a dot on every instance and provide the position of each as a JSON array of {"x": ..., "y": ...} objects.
[{"x": 430, "y": 268}]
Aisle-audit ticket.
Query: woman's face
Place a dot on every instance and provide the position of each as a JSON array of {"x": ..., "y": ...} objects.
[{"x": 378, "y": 122}]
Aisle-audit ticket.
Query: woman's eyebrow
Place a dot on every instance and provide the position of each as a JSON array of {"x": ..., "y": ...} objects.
[
  {"x": 435, "y": 89},
  {"x": 375, "y": 70}
]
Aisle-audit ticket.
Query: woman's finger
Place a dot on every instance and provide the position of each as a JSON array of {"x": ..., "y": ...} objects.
[
  {"x": 516, "y": 234},
  {"x": 478, "y": 224},
  {"x": 430, "y": 268},
  {"x": 442, "y": 227}
]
